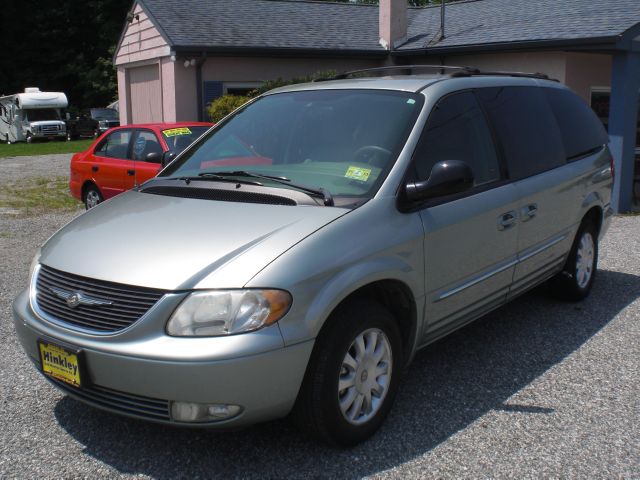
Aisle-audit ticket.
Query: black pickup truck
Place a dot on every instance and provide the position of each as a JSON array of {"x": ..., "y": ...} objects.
[{"x": 92, "y": 123}]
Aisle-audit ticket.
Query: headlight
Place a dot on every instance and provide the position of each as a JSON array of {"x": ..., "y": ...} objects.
[{"x": 226, "y": 312}]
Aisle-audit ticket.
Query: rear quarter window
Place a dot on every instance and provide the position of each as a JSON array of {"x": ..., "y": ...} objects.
[
  {"x": 582, "y": 131},
  {"x": 526, "y": 128}
]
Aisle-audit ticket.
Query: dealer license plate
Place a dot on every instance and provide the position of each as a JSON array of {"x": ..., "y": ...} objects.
[{"x": 59, "y": 362}]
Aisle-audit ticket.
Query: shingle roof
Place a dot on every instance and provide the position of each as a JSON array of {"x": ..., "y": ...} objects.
[
  {"x": 485, "y": 22},
  {"x": 345, "y": 27},
  {"x": 267, "y": 24}
]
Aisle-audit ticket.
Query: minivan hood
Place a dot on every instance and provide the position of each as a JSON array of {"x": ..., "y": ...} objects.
[{"x": 178, "y": 243}]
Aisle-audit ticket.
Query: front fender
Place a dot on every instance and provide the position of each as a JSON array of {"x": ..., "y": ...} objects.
[{"x": 373, "y": 243}]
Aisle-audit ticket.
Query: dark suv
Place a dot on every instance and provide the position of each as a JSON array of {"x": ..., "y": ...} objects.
[{"x": 92, "y": 123}]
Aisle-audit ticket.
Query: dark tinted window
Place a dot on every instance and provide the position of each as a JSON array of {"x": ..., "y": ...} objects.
[
  {"x": 581, "y": 129},
  {"x": 457, "y": 130},
  {"x": 526, "y": 127}
]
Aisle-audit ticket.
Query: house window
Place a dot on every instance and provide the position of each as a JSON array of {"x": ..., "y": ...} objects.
[{"x": 239, "y": 88}]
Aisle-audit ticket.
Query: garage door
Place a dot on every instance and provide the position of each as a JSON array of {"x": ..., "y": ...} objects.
[{"x": 145, "y": 94}]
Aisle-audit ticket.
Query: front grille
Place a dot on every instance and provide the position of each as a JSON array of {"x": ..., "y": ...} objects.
[
  {"x": 126, "y": 403},
  {"x": 128, "y": 303},
  {"x": 49, "y": 129}
]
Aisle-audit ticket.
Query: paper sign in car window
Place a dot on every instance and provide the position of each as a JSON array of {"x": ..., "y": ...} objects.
[
  {"x": 138, "y": 147},
  {"x": 174, "y": 132},
  {"x": 358, "y": 173}
]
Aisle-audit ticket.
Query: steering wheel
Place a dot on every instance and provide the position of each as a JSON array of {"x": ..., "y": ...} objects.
[{"x": 372, "y": 154}]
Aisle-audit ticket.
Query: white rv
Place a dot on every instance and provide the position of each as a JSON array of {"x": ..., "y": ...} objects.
[{"x": 32, "y": 115}]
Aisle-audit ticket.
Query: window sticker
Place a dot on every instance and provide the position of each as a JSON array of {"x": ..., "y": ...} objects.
[
  {"x": 138, "y": 147},
  {"x": 358, "y": 173},
  {"x": 174, "y": 132}
]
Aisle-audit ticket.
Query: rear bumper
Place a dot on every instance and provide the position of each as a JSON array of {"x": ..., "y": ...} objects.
[{"x": 265, "y": 384}]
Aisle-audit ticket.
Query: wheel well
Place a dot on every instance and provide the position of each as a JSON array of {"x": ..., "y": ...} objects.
[
  {"x": 396, "y": 297},
  {"x": 86, "y": 185},
  {"x": 594, "y": 216}
]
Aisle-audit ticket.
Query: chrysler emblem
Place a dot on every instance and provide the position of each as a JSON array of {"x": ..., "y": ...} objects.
[{"x": 74, "y": 299}]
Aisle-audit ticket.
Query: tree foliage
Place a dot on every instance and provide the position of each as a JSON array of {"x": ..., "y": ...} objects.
[{"x": 66, "y": 45}]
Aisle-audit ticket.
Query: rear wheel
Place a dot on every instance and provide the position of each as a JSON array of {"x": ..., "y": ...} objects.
[
  {"x": 576, "y": 279},
  {"x": 353, "y": 375},
  {"x": 92, "y": 197}
]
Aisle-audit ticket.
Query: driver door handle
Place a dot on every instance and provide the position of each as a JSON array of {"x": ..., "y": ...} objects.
[{"x": 131, "y": 173}]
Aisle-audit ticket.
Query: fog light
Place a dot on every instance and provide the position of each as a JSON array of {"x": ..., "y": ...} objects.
[{"x": 202, "y": 412}]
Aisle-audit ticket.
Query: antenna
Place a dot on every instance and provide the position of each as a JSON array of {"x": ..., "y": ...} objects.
[{"x": 442, "y": 20}]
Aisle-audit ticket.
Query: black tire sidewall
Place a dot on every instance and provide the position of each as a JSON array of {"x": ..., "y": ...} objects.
[
  {"x": 351, "y": 322},
  {"x": 92, "y": 188},
  {"x": 567, "y": 285}
]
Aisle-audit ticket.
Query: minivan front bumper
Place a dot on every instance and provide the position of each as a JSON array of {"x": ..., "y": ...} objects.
[{"x": 265, "y": 385}]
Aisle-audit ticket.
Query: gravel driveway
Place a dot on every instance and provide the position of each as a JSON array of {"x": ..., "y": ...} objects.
[{"x": 538, "y": 388}]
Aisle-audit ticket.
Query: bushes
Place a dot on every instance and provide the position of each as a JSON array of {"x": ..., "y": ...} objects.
[{"x": 224, "y": 105}]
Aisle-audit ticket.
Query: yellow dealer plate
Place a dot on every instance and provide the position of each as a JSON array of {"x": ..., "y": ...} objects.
[
  {"x": 60, "y": 363},
  {"x": 174, "y": 132}
]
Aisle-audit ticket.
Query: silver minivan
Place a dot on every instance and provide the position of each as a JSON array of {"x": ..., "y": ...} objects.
[{"x": 295, "y": 257}]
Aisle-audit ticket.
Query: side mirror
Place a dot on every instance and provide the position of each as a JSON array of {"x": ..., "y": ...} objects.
[
  {"x": 167, "y": 158},
  {"x": 446, "y": 178},
  {"x": 153, "y": 157}
]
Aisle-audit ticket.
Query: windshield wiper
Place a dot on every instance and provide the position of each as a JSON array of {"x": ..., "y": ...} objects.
[
  {"x": 318, "y": 192},
  {"x": 213, "y": 176}
]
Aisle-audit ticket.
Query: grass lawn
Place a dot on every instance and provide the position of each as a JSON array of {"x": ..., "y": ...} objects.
[
  {"x": 43, "y": 148},
  {"x": 33, "y": 196}
]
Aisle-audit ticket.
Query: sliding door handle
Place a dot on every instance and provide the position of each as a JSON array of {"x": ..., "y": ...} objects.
[
  {"x": 529, "y": 212},
  {"x": 507, "y": 220}
]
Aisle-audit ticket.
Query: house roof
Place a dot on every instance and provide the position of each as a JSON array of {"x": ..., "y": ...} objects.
[
  {"x": 266, "y": 24},
  {"x": 292, "y": 26}
]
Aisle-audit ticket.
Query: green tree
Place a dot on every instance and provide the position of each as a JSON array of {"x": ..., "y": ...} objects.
[{"x": 61, "y": 46}]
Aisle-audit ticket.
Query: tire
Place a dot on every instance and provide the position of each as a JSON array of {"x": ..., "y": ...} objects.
[
  {"x": 69, "y": 137},
  {"x": 92, "y": 197},
  {"x": 29, "y": 138},
  {"x": 7, "y": 140},
  {"x": 96, "y": 133},
  {"x": 340, "y": 417},
  {"x": 576, "y": 279}
]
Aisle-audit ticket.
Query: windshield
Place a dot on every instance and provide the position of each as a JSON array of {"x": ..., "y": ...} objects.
[
  {"x": 41, "y": 114},
  {"x": 343, "y": 141},
  {"x": 104, "y": 114},
  {"x": 180, "y": 138}
]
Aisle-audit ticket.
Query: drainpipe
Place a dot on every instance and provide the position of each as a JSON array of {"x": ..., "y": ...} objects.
[
  {"x": 199, "y": 90},
  {"x": 442, "y": 20}
]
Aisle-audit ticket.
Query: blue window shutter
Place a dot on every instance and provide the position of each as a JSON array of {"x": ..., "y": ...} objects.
[{"x": 211, "y": 91}]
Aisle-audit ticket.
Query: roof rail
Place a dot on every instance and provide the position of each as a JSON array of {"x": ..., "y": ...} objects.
[
  {"x": 441, "y": 69},
  {"x": 409, "y": 68}
]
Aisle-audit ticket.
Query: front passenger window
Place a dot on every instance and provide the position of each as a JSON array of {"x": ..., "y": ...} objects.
[{"x": 457, "y": 130}]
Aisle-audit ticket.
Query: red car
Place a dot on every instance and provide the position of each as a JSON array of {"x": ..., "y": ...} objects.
[{"x": 126, "y": 156}]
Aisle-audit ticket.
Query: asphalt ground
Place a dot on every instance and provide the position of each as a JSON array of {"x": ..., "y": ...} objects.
[{"x": 536, "y": 389}]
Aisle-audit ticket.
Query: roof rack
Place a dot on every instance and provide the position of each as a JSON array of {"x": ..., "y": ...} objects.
[{"x": 441, "y": 69}]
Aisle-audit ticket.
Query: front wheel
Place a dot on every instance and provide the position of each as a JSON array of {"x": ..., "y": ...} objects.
[
  {"x": 353, "y": 375},
  {"x": 576, "y": 279},
  {"x": 29, "y": 138},
  {"x": 92, "y": 197}
]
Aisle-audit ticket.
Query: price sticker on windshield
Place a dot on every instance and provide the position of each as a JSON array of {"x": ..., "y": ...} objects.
[
  {"x": 174, "y": 132},
  {"x": 358, "y": 173}
]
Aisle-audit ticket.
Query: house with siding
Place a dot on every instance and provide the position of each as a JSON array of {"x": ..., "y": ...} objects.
[{"x": 176, "y": 56}]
